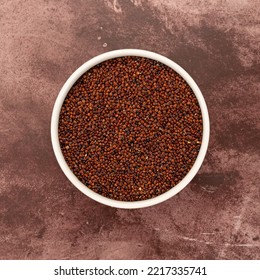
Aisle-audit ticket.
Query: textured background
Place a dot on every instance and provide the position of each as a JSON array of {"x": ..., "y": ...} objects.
[{"x": 42, "y": 216}]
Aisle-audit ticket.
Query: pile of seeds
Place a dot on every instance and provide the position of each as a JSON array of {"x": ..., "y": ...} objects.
[{"x": 130, "y": 128}]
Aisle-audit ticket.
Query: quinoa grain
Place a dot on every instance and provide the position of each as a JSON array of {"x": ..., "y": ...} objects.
[{"x": 130, "y": 128}]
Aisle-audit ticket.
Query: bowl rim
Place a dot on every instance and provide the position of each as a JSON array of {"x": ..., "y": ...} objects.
[{"x": 55, "y": 121}]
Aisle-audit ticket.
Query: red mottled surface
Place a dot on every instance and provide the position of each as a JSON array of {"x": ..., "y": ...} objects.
[{"x": 42, "y": 216}]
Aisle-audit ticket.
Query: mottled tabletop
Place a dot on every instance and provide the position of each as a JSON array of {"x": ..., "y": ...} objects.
[{"x": 42, "y": 216}]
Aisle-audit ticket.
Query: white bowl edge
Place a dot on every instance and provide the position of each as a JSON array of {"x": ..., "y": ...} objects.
[{"x": 55, "y": 121}]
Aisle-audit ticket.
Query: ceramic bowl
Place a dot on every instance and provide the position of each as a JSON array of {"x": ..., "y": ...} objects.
[{"x": 55, "y": 121}]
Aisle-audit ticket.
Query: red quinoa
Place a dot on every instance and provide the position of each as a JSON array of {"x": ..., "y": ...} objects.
[{"x": 130, "y": 128}]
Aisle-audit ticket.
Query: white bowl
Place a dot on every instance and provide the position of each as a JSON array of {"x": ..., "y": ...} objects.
[{"x": 55, "y": 121}]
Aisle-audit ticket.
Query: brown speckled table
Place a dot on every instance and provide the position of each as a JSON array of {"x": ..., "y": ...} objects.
[{"x": 42, "y": 216}]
